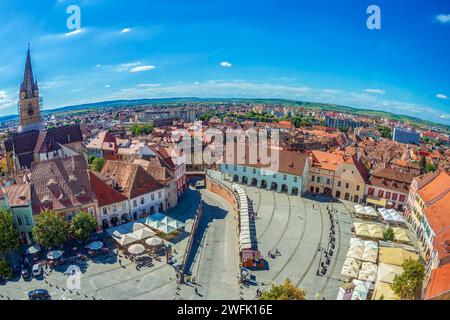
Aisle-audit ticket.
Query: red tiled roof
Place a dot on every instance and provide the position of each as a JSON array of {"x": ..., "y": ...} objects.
[
  {"x": 439, "y": 283},
  {"x": 19, "y": 195},
  {"x": 60, "y": 183},
  {"x": 105, "y": 194},
  {"x": 132, "y": 178},
  {"x": 289, "y": 162}
]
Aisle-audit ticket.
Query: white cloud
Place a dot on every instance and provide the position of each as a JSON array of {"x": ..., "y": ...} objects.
[
  {"x": 107, "y": 86},
  {"x": 126, "y": 30},
  {"x": 443, "y": 18},
  {"x": 149, "y": 85},
  {"x": 226, "y": 64},
  {"x": 441, "y": 96},
  {"x": 375, "y": 91},
  {"x": 142, "y": 68},
  {"x": 74, "y": 33}
]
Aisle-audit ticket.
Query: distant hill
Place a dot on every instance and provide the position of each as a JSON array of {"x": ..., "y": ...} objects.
[{"x": 310, "y": 105}]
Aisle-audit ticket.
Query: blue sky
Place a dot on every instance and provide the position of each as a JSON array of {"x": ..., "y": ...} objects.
[{"x": 318, "y": 51}]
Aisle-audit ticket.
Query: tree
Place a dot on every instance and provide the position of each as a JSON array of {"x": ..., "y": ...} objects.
[
  {"x": 97, "y": 164},
  {"x": 6, "y": 271},
  {"x": 388, "y": 234},
  {"x": 82, "y": 225},
  {"x": 286, "y": 291},
  {"x": 139, "y": 129},
  {"x": 9, "y": 236},
  {"x": 50, "y": 230},
  {"x": 4, "y": 167},
  {"x": 429, "y": 167},
  {"x": 408, "y": 285}
]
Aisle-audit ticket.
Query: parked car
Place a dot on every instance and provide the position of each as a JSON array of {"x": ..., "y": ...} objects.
[
  {"x": 25, "y": 273},
  {"x": 37, "y": 270},
  {"x": 39, "y": 294}
]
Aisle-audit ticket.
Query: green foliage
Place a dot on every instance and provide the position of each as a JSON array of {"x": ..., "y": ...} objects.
[
  {"x": 50, "y": 230},
  {"x": 385, "y": 132},
  {"x": 82, "y": 225},
  {"x": 97, "y": 164},
  {"x": 9, "y": 236},
  {"x": 429, "y": 167},
  {"x": 301, "y": 121},
  {"x": 140, "y": 129},
  {"x": 286, "y": 291},
  {"x": 5, "y": 269},
  {"x": 408, "y": 285},
  {"x": 389, "y": 234},
  {"x": 207, "y": 116}
]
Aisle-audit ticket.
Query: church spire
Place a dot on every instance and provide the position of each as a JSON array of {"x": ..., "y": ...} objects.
[{"x": 28, "y": 85}]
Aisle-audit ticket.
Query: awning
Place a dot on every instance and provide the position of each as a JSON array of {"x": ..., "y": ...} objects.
[{"x": 377, "y": 201}]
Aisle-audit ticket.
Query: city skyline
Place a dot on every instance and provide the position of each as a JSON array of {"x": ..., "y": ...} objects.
[{"x": 231, "y": 50}]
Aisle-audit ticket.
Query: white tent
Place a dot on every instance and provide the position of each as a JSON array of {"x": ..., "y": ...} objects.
[
  {"x": 166, "y": 229},
  {"x": 368, "y": 272},
  {"x": 143, "y": 234},
  {"x": 361, "y": 290},
  {"x": 355, "y": 252},
  {"x": 370, "y": 255}
]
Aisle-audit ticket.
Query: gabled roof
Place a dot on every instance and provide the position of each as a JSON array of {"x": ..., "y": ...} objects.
[
  {"x": 103, "y": 141},
  {"x": 131, "y": 178},
  {"x": 105, "y": 194},
  {"x": 19, "y": 195},
  {"x": 289, "y": 162},
  {"x": 60, "y": 183},
  {"x": 46, "y": 143}
]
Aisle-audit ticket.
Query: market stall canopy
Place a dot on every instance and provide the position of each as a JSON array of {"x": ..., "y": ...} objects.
[
  {"x": 166, "y": 229},
  {"x": 365, "y": 211},
  {"x": 361, "y": 290},
  {"x": 143, "y": 234},
  {"x": 368, "y": 272},
  {"x": 401, "y": 235},
  {"x": 391, "y": 215},
  {"x": 355, "y": 252},
  {"x": 370, "y": 255},
  {"x": 395, "y": 256}
]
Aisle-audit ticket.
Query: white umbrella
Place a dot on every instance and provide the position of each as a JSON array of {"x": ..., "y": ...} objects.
[
  {"x": 35, "y": 248},
  {"x": 96, "y": 245},
  {"x": 136, "y": 249},
  {"x": 53, "y": 255},
  {"x": 349, "y": 271},
  {"x": 153, "y": 242}
]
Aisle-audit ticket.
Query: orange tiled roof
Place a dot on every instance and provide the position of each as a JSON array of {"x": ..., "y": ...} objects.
[
  {"x": 439, "y": 282},
  {"x": 326, "y": 160},
  {"x": 436, "y": 188},
  {"x": 438, "y": 214}
]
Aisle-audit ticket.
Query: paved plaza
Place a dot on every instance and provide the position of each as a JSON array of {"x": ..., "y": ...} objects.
[{"x": 298, "y": 227}]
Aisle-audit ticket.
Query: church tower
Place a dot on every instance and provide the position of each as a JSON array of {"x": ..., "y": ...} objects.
[{"x": 29, "y": 111}]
